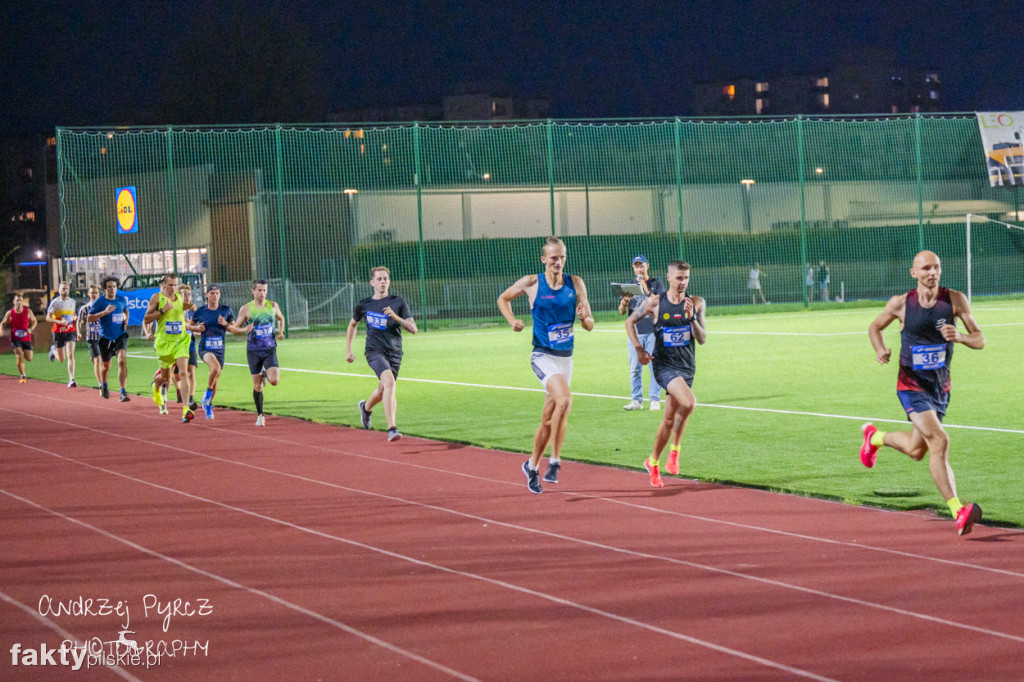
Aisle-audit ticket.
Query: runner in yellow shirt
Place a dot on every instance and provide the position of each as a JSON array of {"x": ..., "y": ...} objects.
[{"x": 166, "y": 309}]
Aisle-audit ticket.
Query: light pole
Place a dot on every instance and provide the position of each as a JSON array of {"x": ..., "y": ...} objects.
[
  {"x": 42, "y": 263},
  {"x": 747, "y": 223},
  {"x": 826, "y": 196}
]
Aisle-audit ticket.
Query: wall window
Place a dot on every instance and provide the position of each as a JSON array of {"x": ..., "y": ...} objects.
[
  {"x": 761, "y": 87},
  {"x": 821, "y": 82},
  {"x": 729, "y": 91}
]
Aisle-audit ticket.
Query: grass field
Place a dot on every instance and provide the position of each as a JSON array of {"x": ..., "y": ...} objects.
[{"x": 781, "y": 400}]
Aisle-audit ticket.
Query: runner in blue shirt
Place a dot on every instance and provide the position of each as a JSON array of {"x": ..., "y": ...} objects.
[
  {"x": 212, "y": 321},
  {"x": 556, "y": 300},
  {"x": 111, "y": 311}
]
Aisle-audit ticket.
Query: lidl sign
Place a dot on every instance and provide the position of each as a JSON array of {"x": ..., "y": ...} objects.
[{"x": 127, "y": 210}]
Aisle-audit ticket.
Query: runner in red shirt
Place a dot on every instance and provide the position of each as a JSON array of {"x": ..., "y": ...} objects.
[{"x": 23, "y": 323}]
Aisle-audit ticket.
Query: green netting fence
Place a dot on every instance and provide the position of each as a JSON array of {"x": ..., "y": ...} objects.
[{"x": 459, "y": 211}]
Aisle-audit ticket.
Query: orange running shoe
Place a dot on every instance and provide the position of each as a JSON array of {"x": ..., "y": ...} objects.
[
  {"x": 652, "y": 469},
  {"x": 672, "y": 463}
]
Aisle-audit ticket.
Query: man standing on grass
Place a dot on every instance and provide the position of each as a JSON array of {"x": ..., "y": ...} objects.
[
  {"x": 111, "y": 311},
  {"x": 167, "y": 310},
  {"x": 257, "y": 318},
  {"x": 61, "y": 312},
  {"x": 212, "y": 321},
  {"x": 92, "y": 333},
  {"x": 679, "y": 322},
  {"x": 556, "y": 300},
  {"x": 645, "y": 332},
  {"x": 386, "y": 316},
  {"x": 23, "y": 323},
  {"x": 927, "y": 318}
]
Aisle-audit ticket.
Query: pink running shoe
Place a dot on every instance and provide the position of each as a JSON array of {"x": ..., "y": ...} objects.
[
  {"x": 672, "y": 463},
  {"x": 867, "y": 450},
  {"x": 968, "y": 515},
  {"x": 652, "y": 469}
]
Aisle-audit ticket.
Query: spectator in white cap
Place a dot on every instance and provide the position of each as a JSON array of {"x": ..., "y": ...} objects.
[{"x": 645, "y": 332}]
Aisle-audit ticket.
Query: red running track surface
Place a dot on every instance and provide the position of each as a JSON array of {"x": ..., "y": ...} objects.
[{"x": 311, "y": 552}]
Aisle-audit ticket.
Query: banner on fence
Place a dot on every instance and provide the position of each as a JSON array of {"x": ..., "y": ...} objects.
[
  {"x": 138, "y": 301},
  {"x": 1002, "y": 136}
]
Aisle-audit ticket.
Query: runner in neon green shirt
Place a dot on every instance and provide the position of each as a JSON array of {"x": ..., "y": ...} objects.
[{"x": 166, "y": 309}]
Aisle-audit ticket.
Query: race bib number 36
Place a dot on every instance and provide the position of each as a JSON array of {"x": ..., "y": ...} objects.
[
  {"x": 675, "y": 337},
  {"x": 929, "y": 357},
  {"x": 560, "y": 333}
]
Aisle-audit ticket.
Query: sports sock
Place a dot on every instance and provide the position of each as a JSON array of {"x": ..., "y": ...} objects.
[
  {"x": 208, "y": 396},
  {"x": 652, "y": 462},
  {"x": 876, "y": 439},
  {"x": 674, "y": 447},
  {"x": 533, "y": 468},
  {"x": 554, "y": 460},
  {"x": 955, "y": 505},
  {"x": 257, "y": 397}
]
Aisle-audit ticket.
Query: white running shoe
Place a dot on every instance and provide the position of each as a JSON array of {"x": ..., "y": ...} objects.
[
  {"x": 655, "y": 404},
  {"x": 633, "y": 405},
  {"x": 259, "y": 421}
]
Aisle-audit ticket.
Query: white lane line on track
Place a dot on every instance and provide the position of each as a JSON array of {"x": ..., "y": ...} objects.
[
  {"x": 419, "y": 562},
  {"x": 619, "y": 397},
  {"x": 49, "y": 624},
  {"x": 644, "y": 555},
  {"x": 231, "y": 583},
  {"x": 334, "y": 451}
]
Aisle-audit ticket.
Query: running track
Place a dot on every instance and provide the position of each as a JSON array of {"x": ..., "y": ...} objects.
[{"x": 327, "y": 554}]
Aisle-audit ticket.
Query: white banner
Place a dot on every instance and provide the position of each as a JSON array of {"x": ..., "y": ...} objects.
[{"x": 1002, "y": 135}]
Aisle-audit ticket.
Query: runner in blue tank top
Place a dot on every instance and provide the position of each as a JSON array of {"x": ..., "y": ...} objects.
[
  {"x": 927, "y": 316},
  {"x": 678, "y": 324},
  {"x": 556, "y": 300}
]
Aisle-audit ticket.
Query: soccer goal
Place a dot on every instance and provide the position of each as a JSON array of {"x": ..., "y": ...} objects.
[{"x": 1001, "y": 252}]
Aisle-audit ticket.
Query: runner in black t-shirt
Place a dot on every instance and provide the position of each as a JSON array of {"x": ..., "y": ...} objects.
[{"x": 386, "y": 316}]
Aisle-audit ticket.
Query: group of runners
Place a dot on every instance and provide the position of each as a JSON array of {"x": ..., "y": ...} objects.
[{"x": 927, "y": 316}]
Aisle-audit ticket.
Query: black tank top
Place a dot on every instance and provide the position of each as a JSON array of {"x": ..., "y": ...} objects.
[
  {"x": 925, "y": 355},
  {"x": 673, "y": 339}
]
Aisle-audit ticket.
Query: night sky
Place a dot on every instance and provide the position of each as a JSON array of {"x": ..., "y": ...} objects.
[{"x": 97, "y": 62}]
